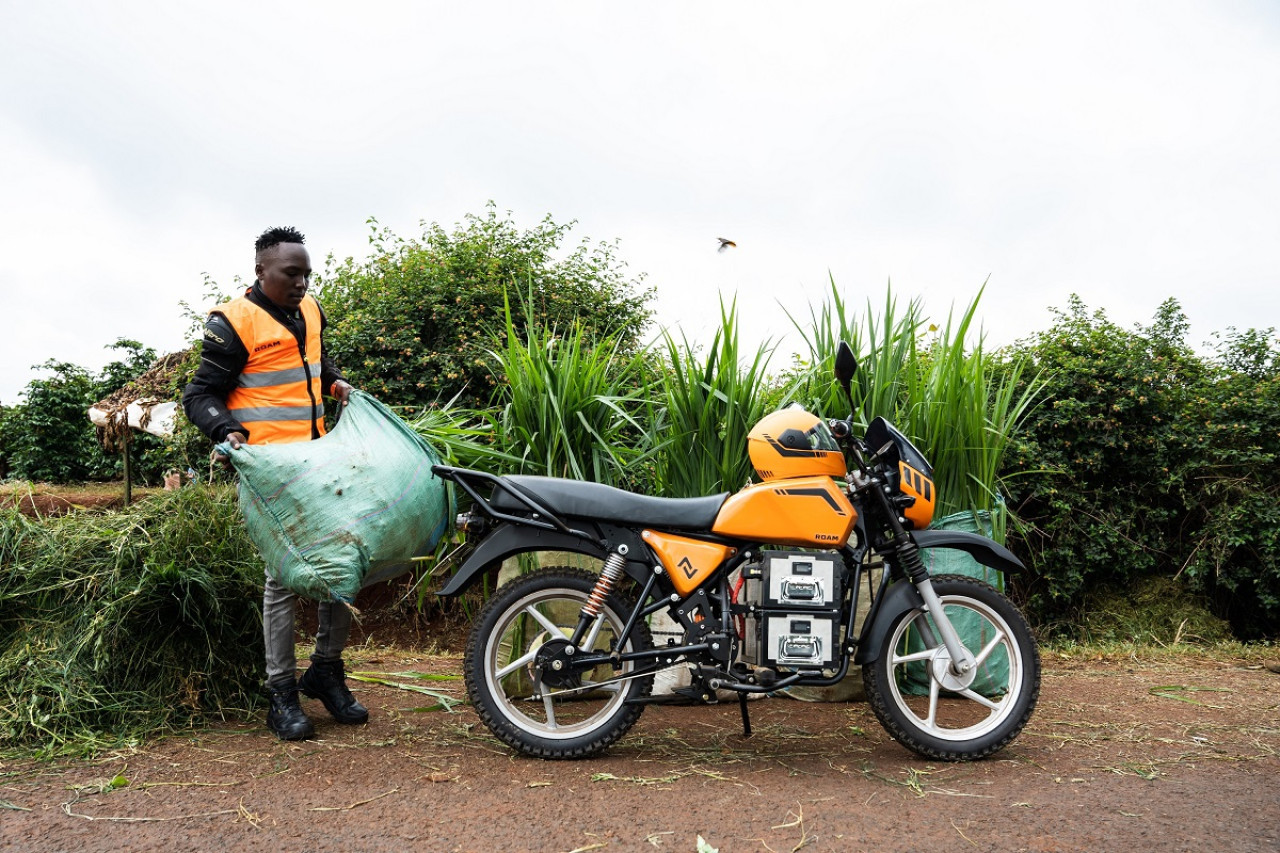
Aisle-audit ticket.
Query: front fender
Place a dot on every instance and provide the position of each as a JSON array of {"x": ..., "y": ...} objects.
[
  {"x": 899, "y": 598},
  {"x": 508, "y": 540},
  {"x": 981, "y": 548}
]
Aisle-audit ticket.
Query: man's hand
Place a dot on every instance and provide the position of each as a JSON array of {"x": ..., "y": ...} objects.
[
  {"x": 342, "y": 391},
  {"x": 235, "y": 439}
]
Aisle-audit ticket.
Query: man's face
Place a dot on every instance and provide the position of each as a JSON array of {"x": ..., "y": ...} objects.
[{"x": 283, "y": 271}]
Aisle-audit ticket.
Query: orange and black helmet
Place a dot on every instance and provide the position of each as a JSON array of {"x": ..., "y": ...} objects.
[{"x": 794, "y": 443}]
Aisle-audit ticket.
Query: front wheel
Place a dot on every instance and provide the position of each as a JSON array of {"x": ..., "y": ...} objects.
[
  {"x": 937, "y": 712},
  {"x": 524, "y": 682}
]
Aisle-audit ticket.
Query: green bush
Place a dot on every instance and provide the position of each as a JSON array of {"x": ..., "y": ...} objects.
[
  {"x": 1151, "y": 461},
  {"x": 411, "y": 323},
  {"x": 49, "y": 438},
  {"x": 1095, "y": 495},
  {"x": 1227, "y": 443}
]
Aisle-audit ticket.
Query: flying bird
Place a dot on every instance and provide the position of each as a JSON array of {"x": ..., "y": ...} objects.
[{"x": 725, "y": 244}]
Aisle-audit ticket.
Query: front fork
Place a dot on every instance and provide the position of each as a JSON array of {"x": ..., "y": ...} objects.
[
  {"x": 962, "y": 660},
  {"x": 907, "y": 556}
]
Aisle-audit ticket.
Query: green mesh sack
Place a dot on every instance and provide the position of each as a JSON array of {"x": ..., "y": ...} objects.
[{"x": 353, "y": 507}]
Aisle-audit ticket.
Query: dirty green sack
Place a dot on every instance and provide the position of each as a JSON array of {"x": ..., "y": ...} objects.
[{"x": 352, "y": 507}]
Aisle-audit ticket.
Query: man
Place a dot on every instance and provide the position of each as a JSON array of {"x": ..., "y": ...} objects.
[{"x": 262, "y": 374}]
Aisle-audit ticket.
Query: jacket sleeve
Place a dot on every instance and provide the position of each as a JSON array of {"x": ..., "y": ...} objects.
[
  {"x": 329, "y": 372},
  {"x": 222, "y": 358}
]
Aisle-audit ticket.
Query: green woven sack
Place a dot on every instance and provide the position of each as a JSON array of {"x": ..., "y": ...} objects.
[{"x": 335, "y": 514}]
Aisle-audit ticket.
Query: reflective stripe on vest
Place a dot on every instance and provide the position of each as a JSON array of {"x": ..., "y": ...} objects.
[{"x": 278, "y": 395}]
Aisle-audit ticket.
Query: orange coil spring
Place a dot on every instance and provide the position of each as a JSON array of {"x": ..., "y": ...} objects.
[{"x": 608, "y": 577}]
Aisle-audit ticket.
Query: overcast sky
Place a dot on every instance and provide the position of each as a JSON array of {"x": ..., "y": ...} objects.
[{"x": 1124, "y": 151}]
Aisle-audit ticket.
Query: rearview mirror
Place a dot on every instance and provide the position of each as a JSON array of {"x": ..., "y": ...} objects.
[{"x": 846, "y": 363}]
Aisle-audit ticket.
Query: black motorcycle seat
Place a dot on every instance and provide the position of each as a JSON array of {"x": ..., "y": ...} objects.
[{"x": 606, "y": 503}]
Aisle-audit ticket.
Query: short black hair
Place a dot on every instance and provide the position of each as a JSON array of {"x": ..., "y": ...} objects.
[{"x": 276, "y": 236}]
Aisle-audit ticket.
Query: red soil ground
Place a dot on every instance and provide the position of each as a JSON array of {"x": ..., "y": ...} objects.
[{"x": 1122, "y": 755}]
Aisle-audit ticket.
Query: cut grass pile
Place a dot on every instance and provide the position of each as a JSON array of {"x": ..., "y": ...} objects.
[
  {"x": 118, "y": 625},
  {"x": 1158, "y": 611}
]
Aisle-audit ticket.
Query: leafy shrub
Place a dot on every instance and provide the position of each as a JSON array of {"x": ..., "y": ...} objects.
[
  {"x": 1151, "y": 461},
  {"x": 49, "y": 438},
  {"x": 1095, "y": 495},
  {"x": 411, "y": 323},
  {"x": 1228, "y": 445}
]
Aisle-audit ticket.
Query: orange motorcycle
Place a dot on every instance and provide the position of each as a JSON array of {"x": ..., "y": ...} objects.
[{"x": 763, "y": 586}]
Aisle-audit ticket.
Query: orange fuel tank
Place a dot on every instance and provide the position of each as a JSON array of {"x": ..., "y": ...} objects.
[{"x": 804, "y": 511}]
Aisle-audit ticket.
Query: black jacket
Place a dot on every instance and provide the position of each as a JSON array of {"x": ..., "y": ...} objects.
[{"x": 223, "y": 357}]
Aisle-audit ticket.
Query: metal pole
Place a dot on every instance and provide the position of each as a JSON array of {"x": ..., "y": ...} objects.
[{"x": 128, "y": 480}]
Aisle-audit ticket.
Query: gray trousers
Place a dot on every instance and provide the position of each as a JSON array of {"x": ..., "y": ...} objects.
[{"x": 279, "y": 609}]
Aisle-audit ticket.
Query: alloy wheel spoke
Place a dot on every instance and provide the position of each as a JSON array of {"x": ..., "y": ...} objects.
[
  {"x": 516, "y": 664},
  {"x": 914, "y": 656},
  {"x": 980, "y": 699},
  {"x": 931, "y": 720},
  {"x": 981, "y": 657},
  {"x": 544, "y": 621},
  {"x": 589, "y": 642},
  {"x": 549, "y": 705}
]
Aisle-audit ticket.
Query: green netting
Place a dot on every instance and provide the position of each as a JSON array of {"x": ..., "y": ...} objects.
[
  {"x": 333, "y": 515},
  {"x": 975, "y": 632}
]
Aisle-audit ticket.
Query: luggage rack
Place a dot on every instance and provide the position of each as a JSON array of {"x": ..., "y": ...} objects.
[{"x": 543, "y": 518}]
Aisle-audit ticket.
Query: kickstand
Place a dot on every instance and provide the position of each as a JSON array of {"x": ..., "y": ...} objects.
[{"x": 746, "y": 720}]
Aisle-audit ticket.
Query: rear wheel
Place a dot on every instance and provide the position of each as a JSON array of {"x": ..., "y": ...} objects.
[
  {"x": 524, "y": 681},
  {"x": 930, "y": 708}
]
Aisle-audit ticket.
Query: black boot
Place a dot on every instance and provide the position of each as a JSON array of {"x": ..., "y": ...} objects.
[
  {"x": 285, "y": 717},
  {"x": 327, "y": 681}
]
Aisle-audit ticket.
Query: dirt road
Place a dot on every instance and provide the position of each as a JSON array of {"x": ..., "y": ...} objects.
[{"x": 1122, "y": 755}]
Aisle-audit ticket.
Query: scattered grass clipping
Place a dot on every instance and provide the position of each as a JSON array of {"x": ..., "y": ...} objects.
[{"x": 119, "y": 625}]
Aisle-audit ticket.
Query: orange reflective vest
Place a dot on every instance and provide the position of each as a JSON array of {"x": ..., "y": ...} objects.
[{"x": 278, "y": 397}]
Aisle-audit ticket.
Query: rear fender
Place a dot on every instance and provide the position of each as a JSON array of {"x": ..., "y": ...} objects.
[{"x": 509, "y": 540}]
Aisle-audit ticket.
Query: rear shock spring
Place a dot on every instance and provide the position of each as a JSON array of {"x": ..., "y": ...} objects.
[{"x": 613, "y": 565}]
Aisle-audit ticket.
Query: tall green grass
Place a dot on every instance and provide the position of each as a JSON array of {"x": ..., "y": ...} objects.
[
  {"x": 674, "y": 422},
  {"x": 566, "y": 404},
  {"x": 886, "y": 344},
  {"x": 118, "y": 625},
  {"x": 938, "y": 384},
  {"x": 704, "y": 408},
  {"x": 463, "y": 436}
]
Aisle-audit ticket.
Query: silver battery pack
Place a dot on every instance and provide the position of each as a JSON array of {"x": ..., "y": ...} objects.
[
  {"x": 797, "y": 639},
  {"x": 792, "y": 579}
]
